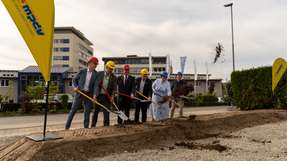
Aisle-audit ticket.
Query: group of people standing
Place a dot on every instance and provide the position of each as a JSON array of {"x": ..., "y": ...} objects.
[{"x": 118, "y": 93}]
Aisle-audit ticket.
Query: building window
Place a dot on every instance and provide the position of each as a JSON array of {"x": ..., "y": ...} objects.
[
  {"x": 65, "y": 57},
  {"x": 23, "y": 77},
  {"x": 90, "y": 52},
  {"x": 56, "y": 41},
  {"x": 62, "y": 49},
  {"x": 4, "y": 83},
  {"x": 83, "y": 62},
  {"x": 61, "y": 58},
  {"x": 66, "y": 41},
  {"x": 65, "y": 49},
  {"x": 65, "y": 65},
  {"x": 63, "y": 41},
  {"x": 85, "y": 50},
  {"x": 159, "y": 60},
  {"x": 57, "y": 58}
]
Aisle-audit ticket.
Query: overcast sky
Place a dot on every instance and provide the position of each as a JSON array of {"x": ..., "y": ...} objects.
[{"x": 189, "y": 28}]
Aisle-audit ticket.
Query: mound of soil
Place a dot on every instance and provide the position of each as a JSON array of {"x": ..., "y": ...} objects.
[{"x": 84, "y": 144}]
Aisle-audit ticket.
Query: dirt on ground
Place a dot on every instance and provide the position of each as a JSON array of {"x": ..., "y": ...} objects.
[{"x": 87, "y": 144}]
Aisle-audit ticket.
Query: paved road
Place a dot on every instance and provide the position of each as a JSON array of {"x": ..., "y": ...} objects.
[{"x": 24, "y": 125}]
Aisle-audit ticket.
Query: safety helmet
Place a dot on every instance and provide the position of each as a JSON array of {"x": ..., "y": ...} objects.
[
  {"x": 93, "y": 60},
  {"x": 126, "y": 67},
  {"x": 144, "y": 72},
  {"x": 164, "y": 74},
  {"x": 110, "y": 64}
]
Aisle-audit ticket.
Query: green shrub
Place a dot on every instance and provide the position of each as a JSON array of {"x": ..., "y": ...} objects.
[
  {"x": 252, "y": 89},
  {"x": 205, "y": 100},
  {"x": 64, "y": 101}
]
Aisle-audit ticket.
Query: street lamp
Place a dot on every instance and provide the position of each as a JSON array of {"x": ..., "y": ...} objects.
[{"x": 230, "y": 5}]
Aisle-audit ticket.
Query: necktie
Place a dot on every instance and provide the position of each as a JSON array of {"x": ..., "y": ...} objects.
[{"x": 125, "y": 81}]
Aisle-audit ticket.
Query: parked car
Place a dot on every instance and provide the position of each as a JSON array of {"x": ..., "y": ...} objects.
[{"x": 220, "y": 100}]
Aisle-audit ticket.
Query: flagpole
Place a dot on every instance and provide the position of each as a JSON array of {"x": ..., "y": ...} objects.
[
  {"x": 195, "y": 77},
  {"x": 150, "y": 65},
  {"x": 206, "y": 83},
  {"x": 46, "y": 109}
]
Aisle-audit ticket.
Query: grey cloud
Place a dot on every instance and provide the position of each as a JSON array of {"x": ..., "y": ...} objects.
[{"x": 176, "y": 27}]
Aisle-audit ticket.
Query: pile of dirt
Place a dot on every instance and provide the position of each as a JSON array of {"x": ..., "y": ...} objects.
[
  {"x": 84, "y": 144},
  {"x": 191, "y": 145}
]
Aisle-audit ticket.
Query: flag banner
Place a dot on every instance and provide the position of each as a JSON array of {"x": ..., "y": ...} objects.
[
  {"x": 278, "y": 69},
  {"x": 35, "y": 21},
  {"x": 182, "y": 63}
]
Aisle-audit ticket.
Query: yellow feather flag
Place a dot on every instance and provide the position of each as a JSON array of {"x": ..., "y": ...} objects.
[
  {"x": 35, "y": 21},
  {"x": 278, "y": 69}
]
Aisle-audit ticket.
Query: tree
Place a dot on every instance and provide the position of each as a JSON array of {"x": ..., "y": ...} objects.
[
  {"x": 1, "y": 99},
  {"x": 64, "y": 101},
  {"x": 39, "y": 91},
  {"x": 36, "y": 92},
  {"x": 218, "y": 52}
]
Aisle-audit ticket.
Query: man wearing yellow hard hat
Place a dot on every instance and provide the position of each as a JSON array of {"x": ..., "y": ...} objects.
[
  {"x": 144, "y": 87},
  {"x": 104, "y": 92}
]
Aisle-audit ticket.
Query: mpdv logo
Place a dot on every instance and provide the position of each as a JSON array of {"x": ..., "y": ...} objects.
[{"x": 31, "y": 17}]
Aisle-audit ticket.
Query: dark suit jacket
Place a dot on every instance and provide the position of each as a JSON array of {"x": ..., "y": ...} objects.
[
  {"x": 128, "y": 87},
  {"x": 112, "y": 86},
  {"x": 147, "y": 87},
  {"x": 79, "y": 80},
  {"x": 177, "y": 87}
]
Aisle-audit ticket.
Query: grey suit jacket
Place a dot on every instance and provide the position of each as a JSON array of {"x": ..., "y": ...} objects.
[
  {"x": 111, "y": 86},
  {"x": 79, "y": 80}
]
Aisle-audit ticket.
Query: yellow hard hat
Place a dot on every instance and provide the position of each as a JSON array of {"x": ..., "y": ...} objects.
[
  {"x": 144, "y": 72},
  {"x": 110, "y": 64}
]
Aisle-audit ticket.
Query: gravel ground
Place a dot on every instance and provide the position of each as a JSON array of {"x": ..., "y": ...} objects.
[
  {"x": 260, "y": 143},
  {"x": 234, "y": 136}
]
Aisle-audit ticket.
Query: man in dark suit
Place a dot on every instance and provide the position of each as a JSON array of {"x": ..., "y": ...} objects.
[
  {"x": 105, "y": 88},
  {"x": 126, "y": 86},
  {"x": 143, "y": 86},
  {"x": 85, "y": 82},
  {"x": 178, "y": 89}
]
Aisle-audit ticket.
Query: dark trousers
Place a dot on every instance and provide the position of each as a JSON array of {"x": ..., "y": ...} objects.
[
  {"x": 79, "y": 99},
  {"x": 141, "y": 106},
  {"x": 124, "y": 105},
  {"x": 102, "y": 99}
]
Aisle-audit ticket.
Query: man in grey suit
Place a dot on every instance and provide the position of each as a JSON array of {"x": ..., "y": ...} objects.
[
  {"x": 105, "y": 88},
  {"x": 85, "y": 82}
]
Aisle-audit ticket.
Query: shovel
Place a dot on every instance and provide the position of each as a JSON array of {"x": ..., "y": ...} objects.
[{"x": 119, "y": 113}]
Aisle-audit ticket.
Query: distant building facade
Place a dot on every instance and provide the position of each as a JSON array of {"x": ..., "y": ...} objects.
[
  {"x": 71, "y": 48},
  {"x": 9, "y": 85},
  {"x": 161, "y": 63}
]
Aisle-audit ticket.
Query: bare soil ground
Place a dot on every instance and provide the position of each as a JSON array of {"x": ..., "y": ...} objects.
[{"x": 168, "y": 136}]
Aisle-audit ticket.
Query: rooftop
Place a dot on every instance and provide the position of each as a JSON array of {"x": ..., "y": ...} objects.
[
  {"x": 132, "y": 57},
  {"x": 35, "y": 69},
  {"x": 73, "y": 30},
  {"x": 14, "y": 71}
]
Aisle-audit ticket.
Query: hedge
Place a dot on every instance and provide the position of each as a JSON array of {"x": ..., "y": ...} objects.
[{"x": 252, "y": 89}]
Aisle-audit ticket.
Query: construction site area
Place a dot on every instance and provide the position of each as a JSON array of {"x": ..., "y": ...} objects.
[{"x": 231, "y": 135}]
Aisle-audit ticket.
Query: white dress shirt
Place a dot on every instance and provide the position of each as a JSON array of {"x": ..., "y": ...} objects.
[{"x": 88, "y": 79}]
